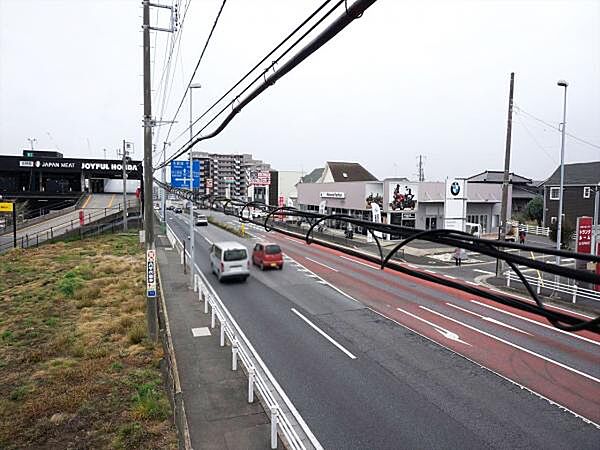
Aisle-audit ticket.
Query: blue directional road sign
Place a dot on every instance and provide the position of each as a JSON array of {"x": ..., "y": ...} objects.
[{"x": 180, "y": 174}]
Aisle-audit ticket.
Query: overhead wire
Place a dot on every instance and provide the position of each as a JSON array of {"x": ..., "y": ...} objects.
[
  {"x": 192, "y": 141},
  {"x": 185, "y": 93},
  {"x": 168, "y": 87},
  {"x": 540, "y": 146},
  {"x": 556, "y": 128},
  {"x": 258, "y": 64}
]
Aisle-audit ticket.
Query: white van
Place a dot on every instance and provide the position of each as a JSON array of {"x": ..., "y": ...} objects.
[
  {"x": 229, "y": 260},
  {"x": 473, "y": 229}
]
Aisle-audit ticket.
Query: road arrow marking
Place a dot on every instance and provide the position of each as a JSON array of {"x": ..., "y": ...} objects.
[{"x": 446, "y": 333}]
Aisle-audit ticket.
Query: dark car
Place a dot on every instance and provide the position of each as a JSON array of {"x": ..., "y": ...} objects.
[
  {"x": 178, "y": 210},
  {"x": 266, "y": 255}
]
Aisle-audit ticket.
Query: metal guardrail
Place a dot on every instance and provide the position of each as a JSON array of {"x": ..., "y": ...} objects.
[
  {"x": 28, "y": 240},
  {"x": 570, "y": 289},
  {"x": 285, "y": 419}
]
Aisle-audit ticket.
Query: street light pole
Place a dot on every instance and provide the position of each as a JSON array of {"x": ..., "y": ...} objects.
[
  {"x": 124, "y": 164},
  {"x": 192, "y": 86},
  {"x": 564, "y": 84}
]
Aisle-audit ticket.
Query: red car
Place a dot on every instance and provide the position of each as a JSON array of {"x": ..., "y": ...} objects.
[{"x": 267, "y": 255}]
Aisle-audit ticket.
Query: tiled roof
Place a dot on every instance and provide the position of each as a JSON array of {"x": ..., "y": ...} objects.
[{"x": 577, "y": 173}]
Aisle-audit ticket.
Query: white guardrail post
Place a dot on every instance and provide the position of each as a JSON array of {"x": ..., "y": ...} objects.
[
  {"x": 539, "y": 285},
  {"x": 274, "y": 416},
  {"x": 574, "y": 293},
  {"x": 250, "y": 384},
  {"x": 234, "y": 355},
  {"x": 508, "y": 279}
]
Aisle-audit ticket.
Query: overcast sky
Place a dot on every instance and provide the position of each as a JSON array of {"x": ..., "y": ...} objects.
[{"x": 409, "y": 78}]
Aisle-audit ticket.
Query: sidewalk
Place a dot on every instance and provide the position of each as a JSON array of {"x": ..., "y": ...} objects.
[{"x": 218, "y": 414}]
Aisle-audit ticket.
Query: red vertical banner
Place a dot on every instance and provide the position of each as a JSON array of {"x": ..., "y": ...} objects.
[
  {"x": 584, "y": 234},
  {"x": 81, "y": 217},
  {"x": 597, "y": 286}
]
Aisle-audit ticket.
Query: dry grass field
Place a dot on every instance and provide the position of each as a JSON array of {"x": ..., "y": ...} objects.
[{"x": 76, "y": 369}]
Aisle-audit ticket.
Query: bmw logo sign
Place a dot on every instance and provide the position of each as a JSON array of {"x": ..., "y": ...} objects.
[{"x": 455, "y": 188}]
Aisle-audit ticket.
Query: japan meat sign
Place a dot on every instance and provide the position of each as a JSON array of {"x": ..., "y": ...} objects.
[{"x": 584, "y": 234}]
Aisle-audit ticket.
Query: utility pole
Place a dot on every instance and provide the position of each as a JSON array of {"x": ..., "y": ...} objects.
[
  {"x": 421, "y": 169},
  {"x": 163, "y": 205},
  {"x": 505, "y": 181},
  {"x": 151, "y": 313},
  {"x": 125, "y": 154}
]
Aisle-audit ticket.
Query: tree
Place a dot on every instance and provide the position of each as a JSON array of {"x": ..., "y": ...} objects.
[
  {"x": 535, "y": 209},
  {"x": 566, "y": 230}
]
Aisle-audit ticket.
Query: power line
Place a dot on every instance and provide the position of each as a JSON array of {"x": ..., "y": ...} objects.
[
  {"x": 281, "y": 44},
  {"x": 556, "y": 128},
  {"x": 196, "y": 68},
  {"x": 289, "y": 65},
  {"x": 541, "y": 147},
  {"x": 169, "y": 80}
]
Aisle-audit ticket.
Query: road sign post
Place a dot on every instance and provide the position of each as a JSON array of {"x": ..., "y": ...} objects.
[
  {"x": 151, "y": 273},
  {"x": 9, "y": 207}
]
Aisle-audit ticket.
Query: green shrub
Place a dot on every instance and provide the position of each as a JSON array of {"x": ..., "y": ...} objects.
[
  {"x": 149, "y": 404},
  {"x": 19, "y": 393},
  {"x": 70, "y": 283},
  {"x": 137, "y": 333}
]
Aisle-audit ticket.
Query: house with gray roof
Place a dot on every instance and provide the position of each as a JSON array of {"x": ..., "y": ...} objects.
[{"x": 581, "y": 180}]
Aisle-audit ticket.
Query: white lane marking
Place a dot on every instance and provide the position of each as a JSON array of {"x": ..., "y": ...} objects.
[
  {"x": 202, "y": 331},
  {"x": 473, "y": 283},
  {"x": 450, "y": 276},
  {"x": 359, "y": 262},
  {"x": 529, "y": 300},
  {"x": 487, "y": 272},
  {"x": 412, "y": 266},
  {"x": 518, "y": 347},
  {"x": 207, "y": 239},
  {"x": 498, "y": 374},
  {"x": 335, "y": 288},
  {"x": 537, "y": 323},
  {"x": 429, "y": 271},
  {"x": 570, "y": 311},
  {"x": 446, "y": 333},
  {"x": 488, "y": 319},
  {"x": 321, "y": 264},
  {"x": 311, "y": 275},
  {"x": 325, "y": 335}
]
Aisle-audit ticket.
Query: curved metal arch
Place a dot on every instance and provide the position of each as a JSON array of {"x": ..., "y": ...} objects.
[
  {"x": 275, "y": 211},
  {"x": 348, "y": 219}
]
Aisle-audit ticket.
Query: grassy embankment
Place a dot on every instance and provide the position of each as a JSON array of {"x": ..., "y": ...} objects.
[{"x": 76, "y": 370}]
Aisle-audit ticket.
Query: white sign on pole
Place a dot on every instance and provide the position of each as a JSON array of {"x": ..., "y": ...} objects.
[
  {"x": 455, "y": 204},
  {"x": 376, "y": 217},
  {"x": 151, "y": 273}
]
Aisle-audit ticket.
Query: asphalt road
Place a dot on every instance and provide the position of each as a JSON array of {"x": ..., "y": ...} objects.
[{"x": 390, "y": 374}]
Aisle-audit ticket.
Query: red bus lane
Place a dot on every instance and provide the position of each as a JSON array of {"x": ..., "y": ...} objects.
[
  {"x": 473, "y": 337},
  {"x": 325, "y": 254}
]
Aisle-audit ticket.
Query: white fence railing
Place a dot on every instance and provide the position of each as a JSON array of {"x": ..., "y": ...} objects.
[
  {"x": 285, "y": 419},
  {"x": 531, "y": 229},
  {"x": 570, "y": 289}
]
